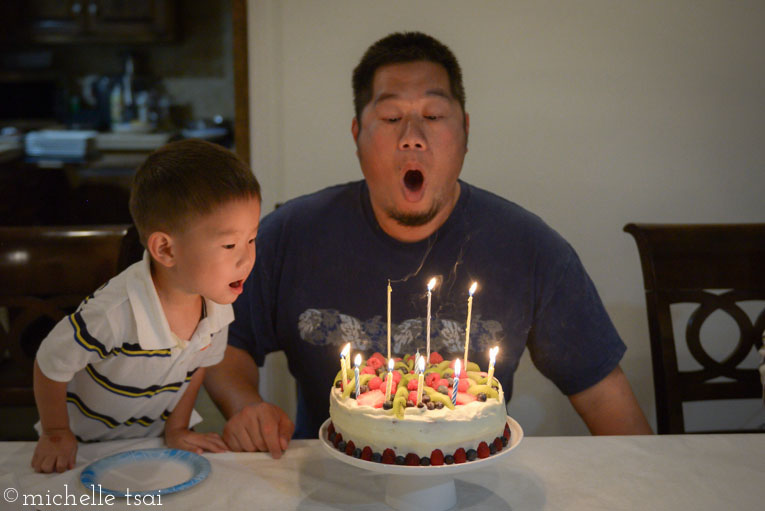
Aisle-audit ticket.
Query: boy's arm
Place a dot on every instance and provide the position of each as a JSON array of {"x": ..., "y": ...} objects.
[
  {"x": 177, "y": 432},
  {"x": 57, "y": 447},
  {"x": 253, "y": 424}
]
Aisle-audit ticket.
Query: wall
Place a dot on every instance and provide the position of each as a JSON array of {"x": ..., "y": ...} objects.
[{"x": 592, "y": 114}]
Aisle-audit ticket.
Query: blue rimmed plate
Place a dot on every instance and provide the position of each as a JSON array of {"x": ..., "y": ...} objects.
[{"x": 145, "y": 472}]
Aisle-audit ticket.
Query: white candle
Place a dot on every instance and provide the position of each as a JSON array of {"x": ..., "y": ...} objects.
[
  {"x": 467, "y": 325},
  {"x": 492, "y": 358},
  {"x": 421, "y": 370},
  {"x": 343, "y": 358},
  {"x": 357, "y": 363},
  {"x": 456, "y": 383},
  {"x": 431, "y": 285},
  {"x": 389, "y": 291},
  {"x": 390, "y": 379}
]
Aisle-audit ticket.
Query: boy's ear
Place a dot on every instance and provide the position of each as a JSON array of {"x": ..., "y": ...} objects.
[{"x": 160, "y": 246}]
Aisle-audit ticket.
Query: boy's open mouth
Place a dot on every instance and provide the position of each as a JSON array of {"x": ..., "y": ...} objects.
[{"x": 237, "y": 284}]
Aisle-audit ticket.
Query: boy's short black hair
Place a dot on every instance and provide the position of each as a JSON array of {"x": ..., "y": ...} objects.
[
  {"x": 399, "y": 48},
  {"x": 185, "y": 179}
]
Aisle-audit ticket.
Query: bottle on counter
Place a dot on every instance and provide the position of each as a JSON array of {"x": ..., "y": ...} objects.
[{"x": 115, "y": 105}]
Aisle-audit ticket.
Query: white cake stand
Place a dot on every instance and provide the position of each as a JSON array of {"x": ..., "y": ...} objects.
[{"x": 433, "y": 487}]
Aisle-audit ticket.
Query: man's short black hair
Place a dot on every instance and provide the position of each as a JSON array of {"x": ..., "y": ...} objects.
[{"x": 399, "y": 48}]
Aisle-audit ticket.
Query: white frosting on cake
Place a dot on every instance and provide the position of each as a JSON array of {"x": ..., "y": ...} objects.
[{"x": 421, "y": 430}]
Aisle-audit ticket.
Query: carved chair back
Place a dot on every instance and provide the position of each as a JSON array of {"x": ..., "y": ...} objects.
[
  {"x": 45, "y": 272},
  {"x": 716, "y": 267}
]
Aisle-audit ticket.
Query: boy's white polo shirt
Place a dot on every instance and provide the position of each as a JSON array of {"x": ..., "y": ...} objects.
[{"x": 125, "y": 369}]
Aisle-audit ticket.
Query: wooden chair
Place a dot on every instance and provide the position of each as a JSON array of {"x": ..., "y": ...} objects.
[
  {"x": 681, "y": 264},
  {"x": 45, "y": 272}
]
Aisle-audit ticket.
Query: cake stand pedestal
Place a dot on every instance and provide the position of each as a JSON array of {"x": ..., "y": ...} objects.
[
  {"x": 415, "y": 488},
  {"x": 415, "y": 493}
]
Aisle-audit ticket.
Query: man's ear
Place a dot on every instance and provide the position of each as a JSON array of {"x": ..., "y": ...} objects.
[
  {"x": 355, "y": 130},
  {"x": 467, "y": 129},
  {"x": 160, "y": 246}
]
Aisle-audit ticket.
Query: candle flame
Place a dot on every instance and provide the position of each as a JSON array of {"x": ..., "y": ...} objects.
[
  {"x": 457, "y": 367},
  {"x": 493, "y": 353},
  {"x": 390, "y": 364},
  {"x": 472, "y": 288},
  {"x": 346, "y": 350},
  {"x": 432, "y": 284},
  {"x": 357, "y": 360},
  {"x": 421, "y": 364}
]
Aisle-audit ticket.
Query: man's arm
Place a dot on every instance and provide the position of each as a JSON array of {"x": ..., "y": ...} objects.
[
  {"x": 610, "y": 408},
  {"x": 252, "y": 424}
]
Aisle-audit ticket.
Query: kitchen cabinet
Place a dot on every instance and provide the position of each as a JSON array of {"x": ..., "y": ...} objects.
[{"x": 92, "y": 21}]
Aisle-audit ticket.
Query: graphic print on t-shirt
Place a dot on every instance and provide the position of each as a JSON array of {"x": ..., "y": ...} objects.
[{"x": 330, "y": 327}]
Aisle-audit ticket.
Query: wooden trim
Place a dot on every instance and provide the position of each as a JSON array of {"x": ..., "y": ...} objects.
[{"x": 241, "y": 81}]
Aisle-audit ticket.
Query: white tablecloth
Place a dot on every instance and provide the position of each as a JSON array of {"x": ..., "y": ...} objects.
[{"x": 687, "y": 472}]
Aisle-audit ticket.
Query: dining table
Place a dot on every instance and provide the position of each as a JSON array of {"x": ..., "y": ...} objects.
[{"x": 691, "y": 472}]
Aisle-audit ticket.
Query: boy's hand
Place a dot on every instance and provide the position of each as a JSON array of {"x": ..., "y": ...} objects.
[
  {"x": 195, "y": 442},
  {"x": 56, "y": 451}
]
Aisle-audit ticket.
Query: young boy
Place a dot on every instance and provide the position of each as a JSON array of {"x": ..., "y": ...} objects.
[{"x": 130, "y": 360}]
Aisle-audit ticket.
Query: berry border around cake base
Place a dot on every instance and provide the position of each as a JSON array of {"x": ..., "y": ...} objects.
[{"x": 516, "y": 435}]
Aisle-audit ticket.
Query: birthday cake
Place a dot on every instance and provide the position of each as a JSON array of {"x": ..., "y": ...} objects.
[{"x": 437, "y": 428}]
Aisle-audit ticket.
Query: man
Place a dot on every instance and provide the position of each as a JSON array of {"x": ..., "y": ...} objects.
[{"x": 324, "y": 260}]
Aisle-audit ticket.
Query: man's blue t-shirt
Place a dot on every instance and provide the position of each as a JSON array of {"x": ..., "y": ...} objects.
[{"x": 320, "y": 281}]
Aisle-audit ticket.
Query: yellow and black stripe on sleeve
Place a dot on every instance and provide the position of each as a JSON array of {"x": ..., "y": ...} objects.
[{"x": 83, "y": 337}]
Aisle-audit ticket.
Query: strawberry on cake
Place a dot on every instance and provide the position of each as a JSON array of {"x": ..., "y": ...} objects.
[{"x": 403, "y": 430}]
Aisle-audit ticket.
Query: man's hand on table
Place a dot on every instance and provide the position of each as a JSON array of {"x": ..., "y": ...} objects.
[
  {"x": 55, "y": 451},
  {"x": 259, "y": 427},
  {"x": 188, "y": 440}
]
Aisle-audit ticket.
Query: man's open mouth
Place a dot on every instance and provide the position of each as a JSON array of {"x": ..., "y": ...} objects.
[{"x": 413, "y": 180}]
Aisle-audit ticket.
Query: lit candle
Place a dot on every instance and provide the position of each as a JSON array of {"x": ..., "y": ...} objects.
[
  {"x": 389, "y": 291},
  {"x": 343, "y": 358},
  {"x": 357, "y": 363},
  {"x": 456, "y": 381},
  {"x": 492, "y": 358},
  {"x": 467, "y": 325},
  {"x": 421, "y": 370},
  {"x": 390, "y": 379},
  {"x": 431, "y": 285}
]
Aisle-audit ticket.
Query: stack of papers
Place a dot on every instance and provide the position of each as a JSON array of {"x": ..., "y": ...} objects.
[{"x": 60, "y": 143}]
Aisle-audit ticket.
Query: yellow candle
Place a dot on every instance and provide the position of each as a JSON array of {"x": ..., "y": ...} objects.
[
  {"x": 431, "y": 285},
  {"x": 492, "y": 358},
  {"x": 389, "y": 291},
  {"x": 343, "y": 363},
  {"x": 390, "y": 380},
  {"x": 421, "y": 371},
  {"x": 467, "y": 325}
]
